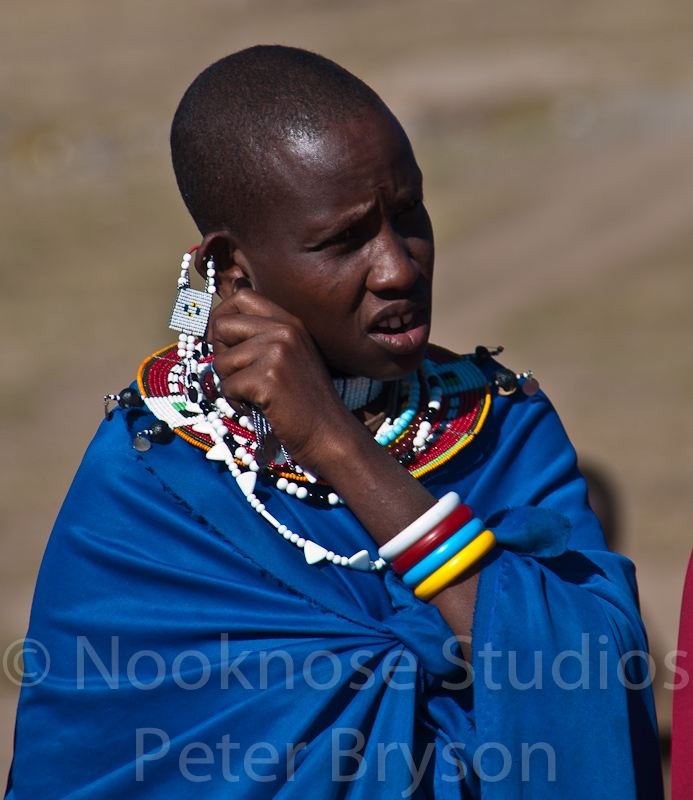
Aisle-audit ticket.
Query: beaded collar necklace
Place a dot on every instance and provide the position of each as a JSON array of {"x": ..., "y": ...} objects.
[
  {"x": 436, "y": 412},
  {"x": 440, "y": 409}
]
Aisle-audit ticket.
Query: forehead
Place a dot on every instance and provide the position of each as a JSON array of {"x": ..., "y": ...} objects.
[{"x": 344, "y": 165}]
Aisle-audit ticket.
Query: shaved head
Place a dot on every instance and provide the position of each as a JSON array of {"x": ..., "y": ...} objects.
[{"x": 239, "y": 113}]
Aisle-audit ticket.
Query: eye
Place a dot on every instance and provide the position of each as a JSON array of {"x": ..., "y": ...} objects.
[
  {"x": 345, "y": 237},
  {"x": 412, "y": 205},
  {"x": 342, "y": 236}
]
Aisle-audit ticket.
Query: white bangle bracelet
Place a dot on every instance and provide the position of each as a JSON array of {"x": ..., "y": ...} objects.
[{"x": 419, "y": 527}]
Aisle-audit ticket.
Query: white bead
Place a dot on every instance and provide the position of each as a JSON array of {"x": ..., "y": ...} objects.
[
  {"x": 181, "y": 352},
  {"x": 425, "y": 427},
  {"x": 260, "y": 507},
  {"x": 360, "y": 560},
  {"x": 235, "y": 472},
  {"x": 240, "y": 452},
  {"x": 343, "y": 561},
  {"x": 212, "y": 416},
  {"x": 330, "y": 555},
  {"x": 282, "y": 483},
  {"x": 218, "y": 453},
  {"x": 187, "y": 257},
  {"x": 291, "y": 489},
  {"x": 254, "y": 502},
  {"x": 301, "y": 542},
  {"x": 282, "y": 529},
  {"x": 294, "y": 538},
  {"x": 250, "y": 498},
  {"x": 211, "y": 272},
  {"x": 247, "y": 459},
  {"x": 314, "y": 552},
  {"x": 435, "y": 404},
  {"x": 418, "y": 441},
  {"x": 183, "y": 337},
  {"x": 301, "y": 492},
  {"x": 253, "y": 466},
  {"x": 211, "y": 289},
  {"x": 272, "y": 521},
  {"x": 287, "y": 534},
  {"x": 246, "y": 481},
  {"x": 243, "y": 422},
  {"x": 191, "y": 338},
  {"x": 333, "y": 498}
]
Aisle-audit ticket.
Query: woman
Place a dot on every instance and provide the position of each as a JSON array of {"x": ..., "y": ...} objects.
[{"x": 267, "y": 579}]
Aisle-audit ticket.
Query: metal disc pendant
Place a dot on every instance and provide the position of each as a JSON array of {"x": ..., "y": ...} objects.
[
  {"x": 268, "y": 452},
  {"x": 141, "y": 443},
  {"x": 530, "y": 386}
]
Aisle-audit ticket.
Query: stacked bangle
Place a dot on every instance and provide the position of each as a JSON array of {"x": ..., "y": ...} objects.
[
  {"x": 459, "y": 517},
  {"x": 456, "y": 543},
  {"x": 438, "y": 547},
  {"x": 419, "y": 527},
  {"x": 456, "y": 566}
]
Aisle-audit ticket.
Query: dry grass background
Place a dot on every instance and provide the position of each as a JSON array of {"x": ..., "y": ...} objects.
[{"x": 557, "y": 142}]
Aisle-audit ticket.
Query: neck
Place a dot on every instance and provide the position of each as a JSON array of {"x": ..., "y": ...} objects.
[{"x": 357, "y": 392}]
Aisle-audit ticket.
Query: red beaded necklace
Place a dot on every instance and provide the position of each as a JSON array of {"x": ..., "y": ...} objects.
[{"x": 454, "y": 400}]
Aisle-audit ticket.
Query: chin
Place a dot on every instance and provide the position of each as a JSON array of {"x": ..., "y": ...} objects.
[{"x": 393, "y": 368}]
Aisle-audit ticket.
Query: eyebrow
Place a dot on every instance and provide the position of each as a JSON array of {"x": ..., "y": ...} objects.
[{"x": 324, "y": 230}]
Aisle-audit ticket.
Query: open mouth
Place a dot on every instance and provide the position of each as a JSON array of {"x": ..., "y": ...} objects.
[
  {"x": 395, "y": 325},
  {"x": 406, "y": 333}
]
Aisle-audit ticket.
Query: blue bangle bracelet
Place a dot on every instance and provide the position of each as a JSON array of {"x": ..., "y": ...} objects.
[{"x": 433, "y": 561}]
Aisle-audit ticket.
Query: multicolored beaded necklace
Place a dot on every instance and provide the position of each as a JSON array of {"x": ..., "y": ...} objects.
[
  {"x": 436, "y": 412},
  {"x": 442, "y": 408}
]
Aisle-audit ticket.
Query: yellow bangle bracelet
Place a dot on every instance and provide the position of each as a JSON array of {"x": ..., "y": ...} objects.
[{"x": 452, "y": 569}]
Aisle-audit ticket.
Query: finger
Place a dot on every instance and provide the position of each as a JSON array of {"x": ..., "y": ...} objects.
[
  {"x": 243, "y": 373},
  {"x": 229, "y": 330},
  {"x": 247, "y": 301},
  {"x": 242, "y": 355}
]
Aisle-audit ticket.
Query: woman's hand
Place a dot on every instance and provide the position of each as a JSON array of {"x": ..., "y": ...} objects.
[{"x": 265, "y": 356}]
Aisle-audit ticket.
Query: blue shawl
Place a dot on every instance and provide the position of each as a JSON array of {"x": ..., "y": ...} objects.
[{"x": 193, "y": 652}]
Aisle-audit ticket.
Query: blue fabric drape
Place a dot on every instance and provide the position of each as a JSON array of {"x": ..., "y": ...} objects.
[{"x": 182, "y": 629}]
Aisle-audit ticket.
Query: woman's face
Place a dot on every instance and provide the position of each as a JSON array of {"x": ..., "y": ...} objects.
[{"x": 348, "y": 245}]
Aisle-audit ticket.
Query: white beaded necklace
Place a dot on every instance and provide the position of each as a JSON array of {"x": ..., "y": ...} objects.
[
  {"x": 188, "y": 406},
  {"x": 189, "y": 316}
]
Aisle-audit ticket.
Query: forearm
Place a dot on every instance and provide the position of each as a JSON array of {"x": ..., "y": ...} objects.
[{"x": 386, "y": 499}]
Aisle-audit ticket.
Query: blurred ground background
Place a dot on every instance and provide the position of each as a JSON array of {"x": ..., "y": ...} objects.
[{"x": 557, "y": 143}]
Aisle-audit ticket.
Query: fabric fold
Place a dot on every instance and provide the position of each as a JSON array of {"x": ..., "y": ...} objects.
[{"x": 194, "y": 648}]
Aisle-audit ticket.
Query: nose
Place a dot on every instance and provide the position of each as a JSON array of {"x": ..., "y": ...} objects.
[{"x": 393, "y": 268}]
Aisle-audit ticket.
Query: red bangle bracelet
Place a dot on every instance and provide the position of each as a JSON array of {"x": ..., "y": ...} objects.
[{"x": 457, "y": 519}]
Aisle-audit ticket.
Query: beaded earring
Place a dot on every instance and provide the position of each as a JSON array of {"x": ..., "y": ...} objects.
[
  {"x": 191, "y": 310},
  {"x": 190, "y": 316}
]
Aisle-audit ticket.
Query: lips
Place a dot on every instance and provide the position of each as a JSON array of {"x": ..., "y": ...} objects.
[{"x": 404, "y": 332}]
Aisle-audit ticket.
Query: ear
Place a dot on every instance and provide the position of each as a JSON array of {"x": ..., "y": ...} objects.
[{"x": 230, "y": 263}]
